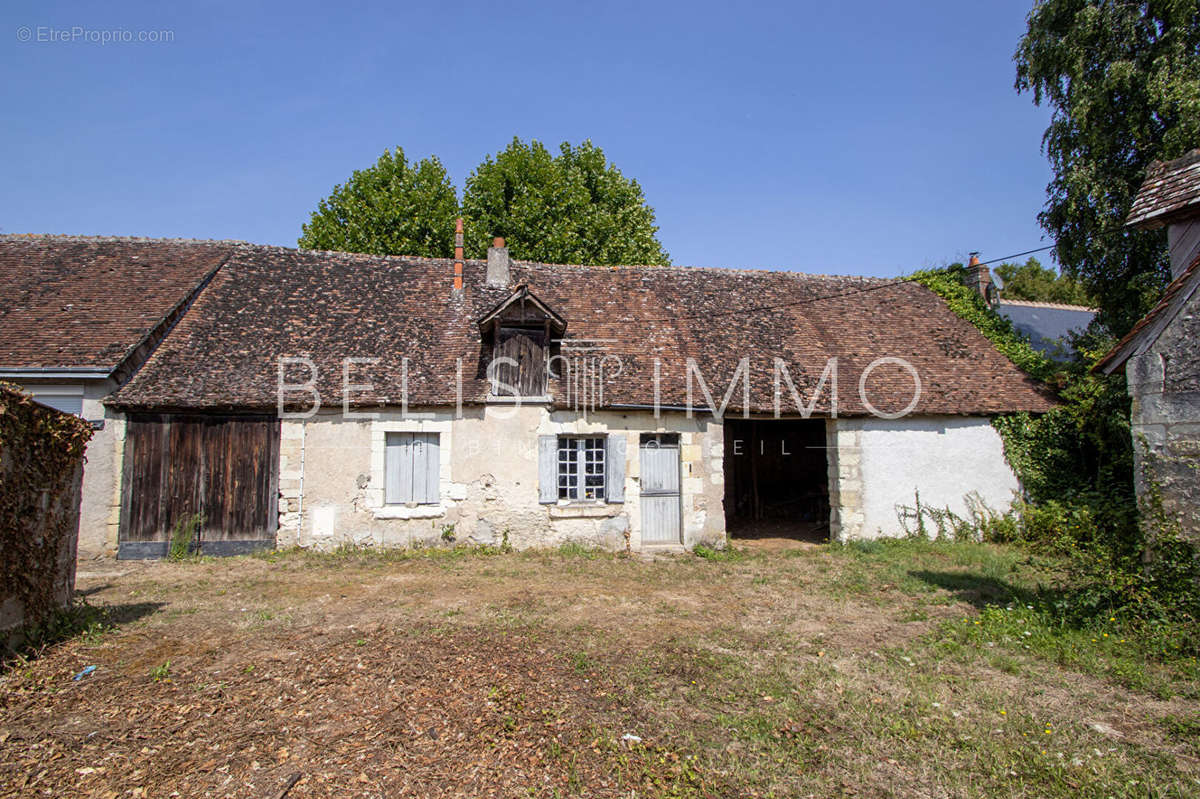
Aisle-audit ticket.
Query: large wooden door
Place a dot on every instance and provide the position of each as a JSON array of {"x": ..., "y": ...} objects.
[
  {"x": 223, "y": 469},
  {"x": 659, "y": 494}
]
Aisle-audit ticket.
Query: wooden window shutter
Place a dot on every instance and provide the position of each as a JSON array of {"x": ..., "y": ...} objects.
[
  {"x": 411, "y": 468},
  {"x": 398, "y": 469},
  {"x": 547, "y": 469},
  {"x": 425, "y": 479},
  {"x": 614, "y": 468}
]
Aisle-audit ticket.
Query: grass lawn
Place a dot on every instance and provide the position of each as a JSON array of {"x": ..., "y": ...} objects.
[{"x": 898, "y": 669}]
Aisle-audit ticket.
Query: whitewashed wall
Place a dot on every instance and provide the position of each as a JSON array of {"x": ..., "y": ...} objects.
[{"x": 878, "y": 466}]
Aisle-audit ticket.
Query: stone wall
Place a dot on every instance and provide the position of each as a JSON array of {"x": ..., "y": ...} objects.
[
  {"x": 332, "y": 472},
  {"x": 844, "y": 457},
  {"x": 1164, "y": 383},
  {"x": 877, "y": 467},
  {"x": 100, "y": 512}
]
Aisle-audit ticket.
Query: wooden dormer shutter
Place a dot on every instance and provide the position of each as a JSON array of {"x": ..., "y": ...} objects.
[{"x": 528, "y": 348}]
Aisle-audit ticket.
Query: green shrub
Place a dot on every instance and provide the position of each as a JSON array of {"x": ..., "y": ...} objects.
[{"x": 1146, "y": 582}]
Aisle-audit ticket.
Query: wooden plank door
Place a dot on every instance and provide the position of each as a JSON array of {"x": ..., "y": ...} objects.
[
  {"x": 241, "y": 458},
  {"x": 143, "y": 481},
  {"x": 659, "y": 494}
]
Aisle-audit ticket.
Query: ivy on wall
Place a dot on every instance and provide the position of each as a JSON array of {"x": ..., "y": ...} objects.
[
  {"x": 41, "y": 455},
  {"x": 1082, "y": 447}
]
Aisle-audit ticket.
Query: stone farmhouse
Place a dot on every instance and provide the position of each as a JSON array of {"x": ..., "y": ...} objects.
[{"x": 285, "y": 397}]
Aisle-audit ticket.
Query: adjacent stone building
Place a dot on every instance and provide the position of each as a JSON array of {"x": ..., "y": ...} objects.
[{"x": 1160, "y": 354}]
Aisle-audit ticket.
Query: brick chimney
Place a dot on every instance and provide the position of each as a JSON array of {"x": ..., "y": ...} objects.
[
  {"x": 979, "y": 278},
  {"x": 497, "y": 264},
  {"x": 458, "y": 255}
]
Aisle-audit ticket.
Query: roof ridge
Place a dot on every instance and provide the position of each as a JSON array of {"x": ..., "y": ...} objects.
[
  {"x": 1185, "y": 161},
  {"x": 112, "y": 237},
  {"x": 1065, "y": 306},
  {"x": 684, "y": 267},
  {"x": 409, "y": 259},
  {"x": 359, "y": 255}
]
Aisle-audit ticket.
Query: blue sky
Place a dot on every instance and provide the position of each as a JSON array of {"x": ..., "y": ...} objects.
[{"x": 866, "y": 138}]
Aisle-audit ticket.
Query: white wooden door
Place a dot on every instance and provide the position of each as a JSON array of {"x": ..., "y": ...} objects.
[{"x": 660, "y": 491}]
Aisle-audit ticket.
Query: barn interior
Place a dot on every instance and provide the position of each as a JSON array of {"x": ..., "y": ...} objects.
[{"x": 776, "y": 479}]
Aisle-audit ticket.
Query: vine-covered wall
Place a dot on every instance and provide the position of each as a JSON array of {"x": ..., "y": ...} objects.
[
  {"x": 1077, "y": 456},
  {"x": 41, "y": 467}
]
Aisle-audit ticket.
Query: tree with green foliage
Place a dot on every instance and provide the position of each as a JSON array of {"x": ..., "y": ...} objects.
[
  {"x": 1123, "y": 80},
  {"x": 1032, "y": 281},
  {"x": 392, "y": 208},
  {"x": 575, "y": 207}
]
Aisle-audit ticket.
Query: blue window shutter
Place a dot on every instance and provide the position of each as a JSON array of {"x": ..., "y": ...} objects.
[
  {"x": 398, "y": 463},
  {"x": 614, "y": 468},
  {"x": 547, "y": 469},
  {"x": 428, "y": 478}
]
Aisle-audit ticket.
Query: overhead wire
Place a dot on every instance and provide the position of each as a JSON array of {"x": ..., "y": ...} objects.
[{"x": 854, "y": 292}]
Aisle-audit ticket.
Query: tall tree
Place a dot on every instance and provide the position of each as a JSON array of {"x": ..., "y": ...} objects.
[
  {"x": 1032, "y": 281},
  {"x": 575, "y": 207},
  {"x": 1123, "y": 80},
  {"x": 392, "y": 208}
]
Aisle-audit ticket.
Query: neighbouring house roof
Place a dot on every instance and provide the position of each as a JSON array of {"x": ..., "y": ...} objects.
[
  {"x": 1150, "y": 327},
  {"x": 1046, "y": 324},
  {"x": 86, "y": 304},
  {"x": 269, "y": 302},
  {"x": 1171, "y": 189}
]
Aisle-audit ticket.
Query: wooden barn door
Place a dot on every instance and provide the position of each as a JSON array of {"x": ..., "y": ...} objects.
[{"x": 223, "y": 468}]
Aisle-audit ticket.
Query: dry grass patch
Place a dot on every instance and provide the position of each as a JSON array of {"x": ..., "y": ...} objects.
[{"x": 813, "y": 672}]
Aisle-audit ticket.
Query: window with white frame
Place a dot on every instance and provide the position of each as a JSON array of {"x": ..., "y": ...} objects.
[
  {"x": 580, "y": 468},
  {"x": 411, "y": 469}
]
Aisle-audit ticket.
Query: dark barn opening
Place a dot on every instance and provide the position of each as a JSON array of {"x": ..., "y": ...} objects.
[{"x": 776, "y": 479}]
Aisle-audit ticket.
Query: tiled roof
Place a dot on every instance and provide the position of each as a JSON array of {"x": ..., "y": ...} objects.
[
  {"x": 77, "y": 302},
  {"x": 1149, "y": 326},
  {"x": 1170, "y": 189},
  {"x": 270, "y": 302}
]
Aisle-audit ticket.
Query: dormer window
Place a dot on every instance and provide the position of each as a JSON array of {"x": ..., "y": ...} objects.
[
  {"x": 520, "y": 356},
  {"x": 521, "y": 333}
]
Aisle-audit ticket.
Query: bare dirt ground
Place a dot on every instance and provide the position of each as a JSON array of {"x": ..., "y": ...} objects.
[{"x": 805, "y": 672}]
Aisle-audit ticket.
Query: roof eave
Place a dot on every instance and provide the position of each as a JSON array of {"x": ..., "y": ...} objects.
[{"x": 59, "y": 372}]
